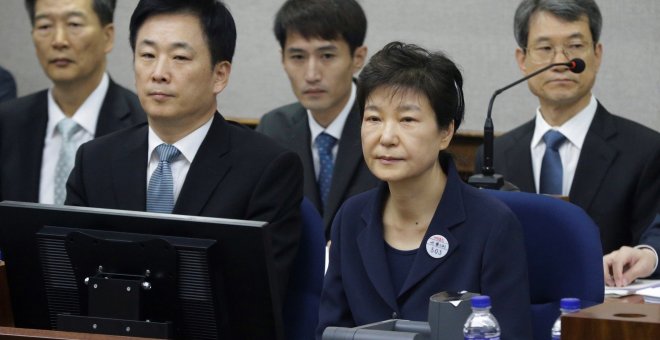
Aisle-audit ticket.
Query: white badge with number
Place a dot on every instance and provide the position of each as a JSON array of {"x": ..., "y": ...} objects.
[{"x": 437, "y": 246}]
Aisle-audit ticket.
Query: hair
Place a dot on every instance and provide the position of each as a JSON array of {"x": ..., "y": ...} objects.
[
  {"x": 104, "y": 9},
  {"x": 405, "y": 67},
  {"x": 325, "y": 19},
  {"x": 569, "y": 10},
  {"x": 216, "y": 22}
]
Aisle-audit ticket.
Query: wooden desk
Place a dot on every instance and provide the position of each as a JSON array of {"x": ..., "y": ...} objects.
[
  {"x": 26, "y": 333},
  {"x": 464, "y": 150},
  {"x": 613, "y": 320}
]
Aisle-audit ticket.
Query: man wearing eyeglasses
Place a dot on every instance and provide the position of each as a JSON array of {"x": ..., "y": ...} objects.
[{"x": 606, "y": 164}]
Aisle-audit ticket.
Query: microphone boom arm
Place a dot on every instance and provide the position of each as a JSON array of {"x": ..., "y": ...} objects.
[{"x": 487, "y": 171}]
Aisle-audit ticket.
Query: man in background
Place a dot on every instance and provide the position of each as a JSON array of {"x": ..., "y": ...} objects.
[
  {"x": 322, "y": 48},
  {"x": 604, "y": 163},
  {"x": 40, "y": 132}
]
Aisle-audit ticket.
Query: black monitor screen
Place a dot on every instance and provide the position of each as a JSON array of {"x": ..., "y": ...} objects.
[{"x": 137, "y": 274}]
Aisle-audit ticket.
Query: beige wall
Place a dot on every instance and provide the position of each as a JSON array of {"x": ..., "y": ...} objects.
[{"x": 477, "y": 34}]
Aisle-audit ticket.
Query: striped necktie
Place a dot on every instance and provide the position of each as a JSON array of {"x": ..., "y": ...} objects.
[
  {"x": 67, "y": 127},
  {"x": 160, "y": 193}
]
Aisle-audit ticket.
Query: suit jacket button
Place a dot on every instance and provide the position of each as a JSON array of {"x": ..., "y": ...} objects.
[{"x": 394, "y": 315}]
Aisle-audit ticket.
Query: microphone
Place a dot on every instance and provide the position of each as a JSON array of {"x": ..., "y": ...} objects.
[{"x": 488, "y": 178}]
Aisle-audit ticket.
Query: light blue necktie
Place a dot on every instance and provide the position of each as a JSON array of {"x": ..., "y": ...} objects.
[
  {"x": 160, "y": 193},
  {"x": 324, "y": 144},
  {"x": 67, "y": 127},
  {"x": 551, "y": 168}
]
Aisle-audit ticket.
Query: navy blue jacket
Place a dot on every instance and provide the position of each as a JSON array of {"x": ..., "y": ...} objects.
[{"x": 486, "y": 255}]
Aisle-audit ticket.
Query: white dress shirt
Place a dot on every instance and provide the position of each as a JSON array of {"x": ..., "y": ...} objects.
[
  {"x": 575, "y": 131},
  {"x": 86, "y": 116},
  {"x": 188, "y": 146},
  {"x": 334, "y": 129}
]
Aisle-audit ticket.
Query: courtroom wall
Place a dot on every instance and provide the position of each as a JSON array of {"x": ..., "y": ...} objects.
[{"x": 476, "y": 34}]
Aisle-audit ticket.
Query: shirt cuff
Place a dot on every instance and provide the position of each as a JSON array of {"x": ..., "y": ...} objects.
[{"x": 645, "y": 246}]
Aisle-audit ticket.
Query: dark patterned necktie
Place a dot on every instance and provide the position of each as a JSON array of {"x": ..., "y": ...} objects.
[
  {"x": 551, "y": 168},
  {"x": 324, "y": 144}
]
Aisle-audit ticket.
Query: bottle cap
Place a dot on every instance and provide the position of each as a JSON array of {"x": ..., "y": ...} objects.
[
  {"x": 481, "y": 301},
  {"x": 570, "y": 303}
]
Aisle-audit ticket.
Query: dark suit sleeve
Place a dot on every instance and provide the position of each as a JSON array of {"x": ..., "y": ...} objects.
[
  {"x": 75, "y": 187},
  {"x": 267, "y": 124},
  {"x": 646, "y": 200},
  {"x": 334, "y": 310},
  {"x": 276, "y": 199},
  {"x": 651, "y": 237},
  {"x": 260, "y": 127},
  {"x": 505, "y": 279}
]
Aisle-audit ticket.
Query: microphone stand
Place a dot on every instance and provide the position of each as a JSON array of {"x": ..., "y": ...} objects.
[{"x": 488, "y": 179}]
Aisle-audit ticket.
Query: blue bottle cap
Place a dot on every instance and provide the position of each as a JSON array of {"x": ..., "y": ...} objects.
[
  {"x": 481, "y": 301},
  {"x": 570, "y": 303}
]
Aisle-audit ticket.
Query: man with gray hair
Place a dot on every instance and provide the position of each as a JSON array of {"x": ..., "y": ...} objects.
[
  {"x": 40, "y": 132},
  {"x": 606, "y": 164}
]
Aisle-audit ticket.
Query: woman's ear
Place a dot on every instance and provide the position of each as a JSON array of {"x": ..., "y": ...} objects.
[{"x": 446, "y": 135}]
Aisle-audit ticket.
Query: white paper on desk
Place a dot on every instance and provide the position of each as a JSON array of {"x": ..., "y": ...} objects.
[
  {"x": 651, "y": 295},
  {"x": 633, "y": 288}
]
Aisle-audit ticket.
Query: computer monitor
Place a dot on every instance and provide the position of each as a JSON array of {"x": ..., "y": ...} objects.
[{"x": 93, "y": 270}]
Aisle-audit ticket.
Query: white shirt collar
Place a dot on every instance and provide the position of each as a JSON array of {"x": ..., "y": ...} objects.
[
  {"x": 188, "y": 145},
  {"x": 574, "y": 129},
  {"x": 87, "y": 114},
  {"x": 337, "y": 126}
]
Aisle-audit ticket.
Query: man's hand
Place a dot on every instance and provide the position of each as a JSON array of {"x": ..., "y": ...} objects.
[{"x": 623, "y": 266}]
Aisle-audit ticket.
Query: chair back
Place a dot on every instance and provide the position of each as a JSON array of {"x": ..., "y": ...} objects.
[
  {"x": 303, "y": 295},
  {"x": 564, "y": 255}
]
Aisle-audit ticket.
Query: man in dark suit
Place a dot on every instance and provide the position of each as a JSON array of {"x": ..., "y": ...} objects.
[
  {"x": 606, "y": 164},
  {"x": 71, "y": 41},
  {"x": 322, "y": 48},
  {"x": 188, "y": 159}
]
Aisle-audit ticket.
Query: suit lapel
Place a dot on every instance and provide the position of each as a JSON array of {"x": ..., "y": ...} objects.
[
  {"x": 595, "y": 159},
  {"x": 349, "y": 156},
  {"x": 32, "y": 147},
  {"x": 211, "y": 163},
  {"x": 300, "y": 141},
  {"x": 113, "y": 111},
  {"x": 372, "y": 249},
  {"x": 518, "y": 168},
  {"x": 450, "y": 212},
  {"x": 129, "y": 169}
]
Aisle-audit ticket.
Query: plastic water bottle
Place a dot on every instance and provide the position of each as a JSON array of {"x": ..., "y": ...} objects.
[
  {"x": 481, "y": 324},
  {"x": 566, "y": 305}
]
